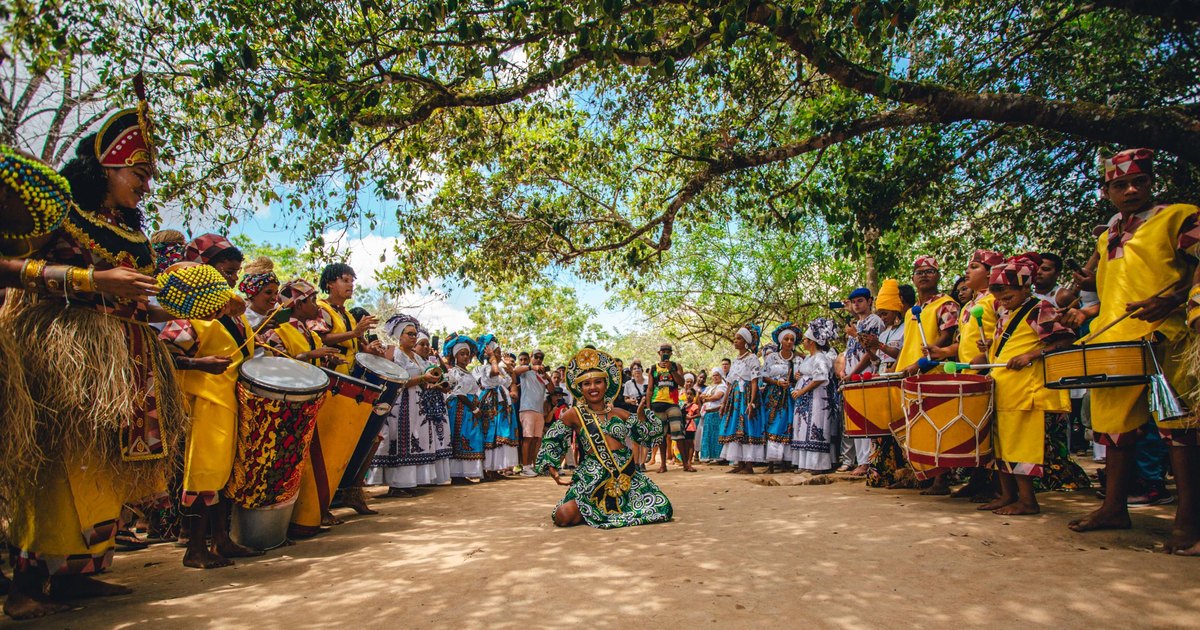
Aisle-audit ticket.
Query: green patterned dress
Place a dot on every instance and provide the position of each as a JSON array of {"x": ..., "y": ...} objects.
[{"x": 643, "y": 503}]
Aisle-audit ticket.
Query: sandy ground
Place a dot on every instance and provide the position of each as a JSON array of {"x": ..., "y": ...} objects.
[{"x": 738, "y": 554}]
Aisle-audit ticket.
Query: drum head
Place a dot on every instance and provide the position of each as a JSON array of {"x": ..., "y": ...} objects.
[
  {"x": 284, "y": 375},
  {"x": 381, "y": 367}
]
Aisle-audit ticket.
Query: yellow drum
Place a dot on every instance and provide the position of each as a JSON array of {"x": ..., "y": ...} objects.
[
  {"x": 871, "y": 406},
  {"x": 948, "y": 419},
  {"x": 1098, "y": 365}
]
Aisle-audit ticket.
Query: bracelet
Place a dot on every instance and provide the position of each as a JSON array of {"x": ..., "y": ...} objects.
[
  {"x": 81, "y": 280},
  {"x": 54, "y": 278},
  {"x": 31, "y": 274}
]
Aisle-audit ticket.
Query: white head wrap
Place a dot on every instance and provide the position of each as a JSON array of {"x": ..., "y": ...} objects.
[
  {"x": 745, "y": 335},
  {"x": 787, "y": 332}
]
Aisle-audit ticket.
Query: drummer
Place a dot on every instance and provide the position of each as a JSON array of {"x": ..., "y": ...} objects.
[
  {"x": 1145, "y": 248},
  {"x": 1030, "y": 328},
  {"x": 336, "y": 324},
  {"x": 937, "y": 322},
  {"x": 208, "y": 352},
  {"x": 295, "y": 338}
]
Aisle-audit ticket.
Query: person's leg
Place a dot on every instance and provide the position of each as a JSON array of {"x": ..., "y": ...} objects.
[
  {"x": 222, "y": 543},
  {"x": 685, "y": 452},
  {"x": 939, "y": 487},
  {"x": 663, "y": 447},
  {"x": 1185, "y": 534},
  {"x": 1150, "y": 462},
  {"x": 1026, "y": 501},
  {"x": 1008, "y": 492},
  {"x": 27, "y": 598},
  {"x": 197, "y": 555},
  {"x": 1114, "y": 512}
]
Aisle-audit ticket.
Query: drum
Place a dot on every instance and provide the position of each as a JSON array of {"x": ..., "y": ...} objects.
[
  {"x": 948, "y": 421},
  {"x": 871, "y": 406},
  {"x": 349, "y": 403},
  {"x": 278, "y": 401},
  {"x": 1116, "y": 364},
  {"x": 386, "y": 374}
]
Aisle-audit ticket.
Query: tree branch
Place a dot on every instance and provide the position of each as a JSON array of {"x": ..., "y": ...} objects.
[{"x": 1161, "y": 128}]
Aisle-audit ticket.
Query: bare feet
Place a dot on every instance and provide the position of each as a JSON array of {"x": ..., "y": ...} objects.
[
  {"x": 204, "y": 559},
  {"x": 1181, "y": 540},
  {"x": 20, "y": 605},
  {"x": 662, "y": 469},
  {"x": 1100, "y": 519},
  {"x": 1016, "y": 508},
  {"x": 860, "y": 471},
  {"x": 1194, "y": 550},
  {"x": 83, "y": 586},
  {"x": 983, "y": 496},
  {"x": 964, "y": 492},
  {"x": 735, "y": 470},
  {"x": 230, "y": 549},
  {"x": 996, "y": 504},
  {"x": 936, "y": 490},
  {"x": 356, "y": 500},
  {"x": 329, "y": 520},
  {"x": 688, "y": 468},
  {"x": 746, "y": 470}
]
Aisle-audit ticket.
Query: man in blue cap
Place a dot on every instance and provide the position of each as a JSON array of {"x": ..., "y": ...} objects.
[{"x": 862, "y": 333}]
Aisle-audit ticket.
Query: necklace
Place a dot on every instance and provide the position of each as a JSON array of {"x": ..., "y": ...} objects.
[{"x": 114, "y": 243}]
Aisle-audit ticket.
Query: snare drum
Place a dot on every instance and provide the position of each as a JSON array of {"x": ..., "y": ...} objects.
[
  {"x": 948, "y": 420},
  {"x": 340, "y": 423},
  {"x": 389, "y": 376},
  {"x": 278, "y": 401},
  {"x": 871, "y": 406},
  {"x": 1116, "y": 364}
]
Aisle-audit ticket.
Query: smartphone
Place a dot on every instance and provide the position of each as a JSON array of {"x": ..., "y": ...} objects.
[
  {"x": 433, "y": 341},
  {"x": 283, "y": 316},
  {"x": 371, "y": 337}
]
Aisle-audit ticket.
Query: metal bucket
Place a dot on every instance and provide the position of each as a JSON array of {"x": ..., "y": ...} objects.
[{"x": 262, "y": 528}]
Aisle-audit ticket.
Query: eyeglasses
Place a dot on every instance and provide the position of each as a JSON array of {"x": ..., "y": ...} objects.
[
  {"x": 925, "y": 273},
  {"x": 539, "y": 356}
]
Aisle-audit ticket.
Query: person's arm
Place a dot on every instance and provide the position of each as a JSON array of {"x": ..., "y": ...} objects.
[
  {"x": 554, "y": 445},
  {"x": 676, "y": 374},
  {"x": 521, "y": 369}
]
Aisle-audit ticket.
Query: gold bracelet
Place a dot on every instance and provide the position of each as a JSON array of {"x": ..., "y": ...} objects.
[
  {"x": 1193, "y": 314},
  {"x": 79, "y": 280},
  {"x": 31, "y": 274}
]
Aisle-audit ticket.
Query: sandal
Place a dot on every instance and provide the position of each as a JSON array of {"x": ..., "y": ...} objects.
[{"x": 128, "y": 541}]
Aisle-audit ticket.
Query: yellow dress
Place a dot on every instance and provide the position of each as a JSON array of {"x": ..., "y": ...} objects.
[
  {"x": 212, "y": 398},
  {"x": 1022, "y": 400},
  {"x": 913, "y": 348},
  {"x": 1150, "y": 260}
]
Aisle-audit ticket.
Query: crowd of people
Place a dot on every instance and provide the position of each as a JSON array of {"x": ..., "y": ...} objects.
[{"x": 147, "y": 391}]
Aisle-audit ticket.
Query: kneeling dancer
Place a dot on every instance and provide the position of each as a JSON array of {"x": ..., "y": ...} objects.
[{"x": 607, "y": 490}]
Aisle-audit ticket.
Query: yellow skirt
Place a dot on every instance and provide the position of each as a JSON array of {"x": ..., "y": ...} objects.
[
  {"x": 339, "y": 425},
  {"x": 211, "y": 443},
  {"x": 1119, "y": 410},
  {"x": 1019, "y": 441},
  {"x": 68, "y": 525}
]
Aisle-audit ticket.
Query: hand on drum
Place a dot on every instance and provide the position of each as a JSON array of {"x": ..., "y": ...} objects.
[
  {"x": 375, "y": 347},
  {"x": 211, "y": 364},
  {"x": 126, "y": 284},
  {"x": 329, "y": 354},
  {"x": 1072, "y": 318}
]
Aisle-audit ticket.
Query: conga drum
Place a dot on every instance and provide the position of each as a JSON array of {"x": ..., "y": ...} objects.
[
  {"x": 389, "y": 376},
  {"x": 278, "y": 402},
  {"x": 870, "y": 406},
  {"x": 349, "y": 403},
  {"x": 948, "y": 422}
]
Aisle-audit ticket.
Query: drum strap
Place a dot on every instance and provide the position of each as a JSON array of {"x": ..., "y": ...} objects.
[
  {"x": 1014, "y": 322},
  {"x": 236, "y": 332}
]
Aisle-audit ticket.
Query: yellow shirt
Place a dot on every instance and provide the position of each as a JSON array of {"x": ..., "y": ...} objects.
[
  {"x": 968, "y": 326},
  {"x": 1149, "y": 261},
  {"x": 213, "y": 339},
  {"x": 341, "y": 322},
  {"x": 1024, "y": 389},
  {"x": 913, "y": 349}
]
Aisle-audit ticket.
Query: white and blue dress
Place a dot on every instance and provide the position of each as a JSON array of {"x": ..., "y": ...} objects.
[{"x": 742, "y": 433}]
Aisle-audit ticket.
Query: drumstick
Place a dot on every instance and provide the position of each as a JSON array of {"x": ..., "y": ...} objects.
[
  {"x": 1123, "y": 317},
  {"x": 977, "y": 314},
  {"x": 254, "y": 333},
  {"x": 916, "y": 311}
]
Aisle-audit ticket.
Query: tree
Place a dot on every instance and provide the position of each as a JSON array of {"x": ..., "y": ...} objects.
[
  {"x": 541, "y": 316},
  {"x": 290, "y": 262}
]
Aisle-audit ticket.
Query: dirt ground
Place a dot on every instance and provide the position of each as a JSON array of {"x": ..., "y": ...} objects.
[{"x": 738, "y": 554}]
